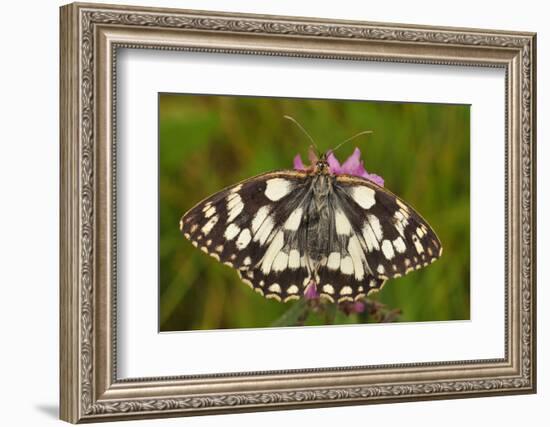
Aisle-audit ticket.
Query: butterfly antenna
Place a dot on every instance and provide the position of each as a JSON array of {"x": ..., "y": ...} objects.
[
  {"x": 305, "y": 132},
  {"x": 349, "y": 139}
]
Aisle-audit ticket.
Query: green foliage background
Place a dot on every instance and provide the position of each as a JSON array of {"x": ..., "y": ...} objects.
[{"x": 208, "y": 142}]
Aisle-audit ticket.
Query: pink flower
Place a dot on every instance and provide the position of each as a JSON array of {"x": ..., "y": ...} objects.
[
  {"x": 352, "y": 166},
  {"x": 349, "y": 307},
  {"x": 298, "y": 164},
  {"x": 311, "y": 291},
  {"x": 358, "y": 307}
]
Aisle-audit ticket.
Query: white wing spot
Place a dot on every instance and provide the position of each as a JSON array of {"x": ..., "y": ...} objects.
[
  {"x": 236, "y": 188},
  {"x": 210, "y": 212},
  {"x": 274, "y": 248},
  {"x": 264, "y": 231},
  {"x": 234, "y": 207},
  {"x": 380, "y": 269},
  {"x": 402, "y": 205},
  {"x": 248, "y": 283},
  {"x": 399, "y": 245},
  {"x": 346, "y": 265},
  {"x": 274, "y": 288},
  {"x": 219, "y": 248},
  {"x": 364, "y": 196},
  {"x": 293, "y": 289},
  {"x": 417, "y": 244},
  {"x": 356, "y": 252},
  {"x": 401, "y": 222},
  {"x": 387, "y": 249},
  {"x": 281, "y": 262},
  {"x": 259, "y": 218},
  {"x": 294, "y": 259},
  {"x": 419, "y": 232},
  {"x": 376, "y": 227},
  {"x": 244, "y": 238},
  {"x": 247, "y": 261},
  {"x": 293, "y": 221},
  {"x": 328, "y": 288},
  {"x": 346, "y": 290},
  {"x": 343, "y": 226},
  {"x": 333, "y": 261},
  {"x": 207, "y": 228},
  {"x": 231, "y": 231},
  {"x": 370, "y": 238},
  {"x": 277, "y": 188}
]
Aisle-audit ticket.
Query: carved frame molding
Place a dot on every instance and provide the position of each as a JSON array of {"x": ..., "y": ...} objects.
[{"x": 90, "y": 37}]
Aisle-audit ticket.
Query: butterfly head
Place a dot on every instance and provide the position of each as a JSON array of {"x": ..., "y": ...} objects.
[{"x": 321, "y": 165}]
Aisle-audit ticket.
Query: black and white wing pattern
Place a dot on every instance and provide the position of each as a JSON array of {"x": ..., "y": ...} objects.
[
  {"x": 284, "y": 230},
  {"x": 374, "y": 236},
  {"x": 252, "y": 227}
]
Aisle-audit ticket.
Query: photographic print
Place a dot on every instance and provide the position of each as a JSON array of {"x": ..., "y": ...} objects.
[
  {"x": 291, "y": 204},
  {"x": 305, "y": 212}
]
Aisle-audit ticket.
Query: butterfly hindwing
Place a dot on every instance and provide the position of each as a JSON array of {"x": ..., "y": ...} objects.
[{"x": 344, "y": 273}]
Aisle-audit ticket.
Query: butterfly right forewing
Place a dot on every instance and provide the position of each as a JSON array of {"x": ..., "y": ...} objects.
[{"x": 394, "y": 237}]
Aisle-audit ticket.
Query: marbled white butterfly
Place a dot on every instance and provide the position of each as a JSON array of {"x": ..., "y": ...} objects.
[{"x": 286, "y": 229}]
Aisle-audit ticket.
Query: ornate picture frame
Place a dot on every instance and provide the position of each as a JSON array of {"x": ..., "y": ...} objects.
[{"x": 90, "y": 37}]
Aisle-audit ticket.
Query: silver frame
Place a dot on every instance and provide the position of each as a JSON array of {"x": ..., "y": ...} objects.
[{"x": 90, "y": 37}]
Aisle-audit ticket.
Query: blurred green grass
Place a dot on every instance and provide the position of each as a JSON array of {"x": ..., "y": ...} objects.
[{"x": 208, "y": 142}]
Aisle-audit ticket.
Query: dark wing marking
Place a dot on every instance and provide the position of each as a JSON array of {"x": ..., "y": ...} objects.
[{"x": 394, "y": 237}]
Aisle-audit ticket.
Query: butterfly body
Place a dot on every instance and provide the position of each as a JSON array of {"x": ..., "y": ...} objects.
[{"x": 286, "y": 230}]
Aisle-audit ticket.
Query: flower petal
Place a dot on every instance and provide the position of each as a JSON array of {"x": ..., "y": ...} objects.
[
  {"x": 312, "y": 156},
  {"x": 353, "y": 161},
  {"x": 358, "y": 307},
  {"x": 353, "y": 165},
  {"x": 298, "y": 164},
  {"x": 311, "y": 291},
  {"x": 333, "y": 163},
  {"x": 378, "y": 180}
]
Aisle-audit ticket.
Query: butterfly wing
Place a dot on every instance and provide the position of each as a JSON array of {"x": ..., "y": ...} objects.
[
  {"x": 374, "y": 236},
  {"x": 387, "y": 238},
  {"x": 250, "y": 226}
]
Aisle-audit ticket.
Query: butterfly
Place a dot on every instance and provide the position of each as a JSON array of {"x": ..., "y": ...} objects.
[{"x": 286, "y": 230}]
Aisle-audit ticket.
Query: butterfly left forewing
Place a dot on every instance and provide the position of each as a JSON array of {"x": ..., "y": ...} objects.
[{"x": 243, "y": 226}]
